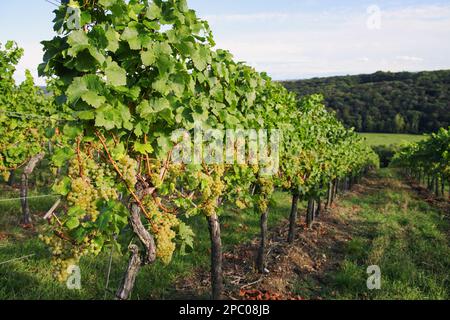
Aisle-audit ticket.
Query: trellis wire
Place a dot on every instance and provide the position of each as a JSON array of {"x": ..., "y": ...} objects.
[{"x": 34, "y": 197}]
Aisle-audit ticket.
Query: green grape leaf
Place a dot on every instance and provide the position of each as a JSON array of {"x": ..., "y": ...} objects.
[
  {"x": 62, "y": 155},
  {"x": 93, "y": 98},
  {"x": 72, "y": 130},
  {"x": 183, "y": 6},
  {"x": 86, "y": 115},
  {"x": 79, "y": 234},
  {"x": 105, "y": 118},
  {"x": 62, "y": 187},
  {"x": 131, "y": 35},
  {"x": 78, "y": 41},
  {"x": 160, "y": 104},
  {"x": 115, "y": 75},
  {"x": 186, "y": 237},
  {"x": 148, "y": 58},
  {"x": 104, "y": 219},
  {"x": 201, "y": 58},
  {"x": 165, "y": 145},
  {"x": 143, "y": 148},
  {"x": 165, "y": 65},
  {"x": 113, "y": 38},
  {"x": 144, "y": 109},
  {"x": 107, "y": 3},
  {"x": 76, "y": 89},
  {"x": 97, "y": 55},
  {"x": 72, "y": 223},
  {"x": 153, "y": 12}
]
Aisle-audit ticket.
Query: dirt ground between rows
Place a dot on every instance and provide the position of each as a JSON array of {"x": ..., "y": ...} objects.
[{"x": 315, "y": 253}]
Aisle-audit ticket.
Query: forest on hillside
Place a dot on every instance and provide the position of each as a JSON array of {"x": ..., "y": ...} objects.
[{"x": 388, "y": 102}]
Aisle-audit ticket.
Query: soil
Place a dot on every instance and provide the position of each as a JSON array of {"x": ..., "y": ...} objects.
[
  {"x": 3, "y": 236},
  {"x": 315, "y": 253}
]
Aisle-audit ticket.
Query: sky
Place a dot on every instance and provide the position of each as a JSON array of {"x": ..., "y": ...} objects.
[{"x": 289, "y": 39}]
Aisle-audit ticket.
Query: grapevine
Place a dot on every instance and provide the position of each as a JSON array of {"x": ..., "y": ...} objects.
[
  {"x": 133, "y": 73},
  {"x": 25, "y": 123},
  {"x": 428, "y": 160}
]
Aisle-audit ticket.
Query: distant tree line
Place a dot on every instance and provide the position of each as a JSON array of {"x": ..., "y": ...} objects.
[
  {"x": 386, "y": 153},
  {"x": 388, "y": 102}
]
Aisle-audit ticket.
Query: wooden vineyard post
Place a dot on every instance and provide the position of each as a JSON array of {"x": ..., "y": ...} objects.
[
  {"x": 216, "y": 257},
  {"x": 261, "y": 258},
  {"x": 27, "y": 171},
  {"x": 293, "y": 218}
]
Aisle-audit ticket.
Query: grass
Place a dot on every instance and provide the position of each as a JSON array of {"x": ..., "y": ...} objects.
[
  {"x": 405, "y": 237},
  {"x": 386, "y": 139},
  {"x": 32, "y": 278},
  {"x": 394, "y": 229}
]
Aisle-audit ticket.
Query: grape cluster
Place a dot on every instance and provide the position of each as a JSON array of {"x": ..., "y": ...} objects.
[
  {"x": 266, "y": 188},
  {"x": 89, "y": 182},
  {"x": 92, "y": 247},
  {"x": 176, "y": 170},
  {"x": 241, "y": 204},
  {"x": 103, "y": 178},
  {"x": 156, "y": 180},
  {"x": 162, "y": 227},
  {"x": 5, "y": 175},
  {"x": 211, "y": 187},
  {"x": 128, "y": 167},
  {"x": 84, "y": 195},
  {"x": 64, "y": 255}
]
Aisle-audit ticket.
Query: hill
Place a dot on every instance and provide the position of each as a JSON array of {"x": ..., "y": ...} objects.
[{"x": 387, "y": 102}]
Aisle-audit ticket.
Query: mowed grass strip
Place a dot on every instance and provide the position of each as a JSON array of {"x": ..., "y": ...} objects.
[
  {"x": 404, "y": 236},
  {"x": 387, "y": 139}
]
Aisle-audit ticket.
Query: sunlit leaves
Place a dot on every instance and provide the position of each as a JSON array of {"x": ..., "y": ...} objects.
[
  {"x": 131, "y": 35},
  {"x": 86, "y": 87},
  {"x": 153, "y": 12},
  {"x": 115, "y": 75},
  {"x": 430, "y": 156},
  {"x": 72, "y": 223},
  {"x": 143, "y": 148},
  {"x": 186, "y": 236},
  {"x": 145, "y": 69},
  {"x": 201, "y": 58},
  {"x": 148, "y": 57},
  {"x": 110, "y": 117},
  {"x": 24, "y": 114},
  {"x": 62, "y": 187},
  {"x": 93, "y": 99},
  {"x": 107, "y": 3},
  {"x": 79, "y": 41},
  {"x": 113, "y": 39},
  {"x": 159, "y": 104},
  {"x": 161, "y": 85},
  {"x": 144, "y": 109}
]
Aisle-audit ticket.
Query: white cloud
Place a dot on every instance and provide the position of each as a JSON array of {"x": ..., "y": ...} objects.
[
  {"x": 33, "y": 56},
  {"x": 302, "y": 44},
  {"x": 408, "y": 58},
  {"x": 255, "y": 17},
  {"x": 295, "y": 45},
  {"x": 422, "y": 12}
]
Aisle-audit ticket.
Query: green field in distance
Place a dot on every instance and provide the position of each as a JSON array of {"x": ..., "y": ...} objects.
[{"x": 386, "y": 139}]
